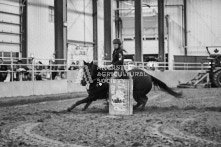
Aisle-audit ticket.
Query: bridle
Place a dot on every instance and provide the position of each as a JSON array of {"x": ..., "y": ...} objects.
[{"x": 88, "y": 82}]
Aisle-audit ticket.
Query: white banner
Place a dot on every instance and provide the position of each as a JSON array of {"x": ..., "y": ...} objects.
[{"x": 79, "y": 53}]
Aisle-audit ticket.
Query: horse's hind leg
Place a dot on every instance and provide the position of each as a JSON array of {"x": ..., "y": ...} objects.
[
  {"x": 137, "y": 105},
  {"x": 87, "y": 105},
  {"x": 144, "y": 99},
  {"x": 137, "y": 98},
  {"x": 141, "y": 99},
  {"x": 85, "y": 100}
]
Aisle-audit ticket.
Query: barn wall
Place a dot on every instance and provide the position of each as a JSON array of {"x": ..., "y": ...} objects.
[
  {"x": 10, "y": 26},
  {"x": 100, "y": 8},
  {"x": 80, "y": 30},
  {"x": 203, "y": 26},
  {"x": 80, "y": 27},
  {"x": 175, "y": 29},
  {"x": 40, "y": 29},
  {"x": 80, "y": 20},
  {"x": 173, "y": 9}
]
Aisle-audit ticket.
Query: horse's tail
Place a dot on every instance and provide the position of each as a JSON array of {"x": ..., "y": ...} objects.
[{"x": 163, "y": 86}]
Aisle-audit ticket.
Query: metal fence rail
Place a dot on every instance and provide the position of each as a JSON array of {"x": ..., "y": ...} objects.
[
  {"x": 57, "y": 68},
  {"x": 32, "y": 69}
]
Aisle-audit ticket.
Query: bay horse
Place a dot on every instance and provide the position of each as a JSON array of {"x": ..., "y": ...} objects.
[{"x": 99, "y": 89}]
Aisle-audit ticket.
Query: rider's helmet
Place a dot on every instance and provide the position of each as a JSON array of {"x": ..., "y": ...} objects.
[{"x": 117, "y": 41}]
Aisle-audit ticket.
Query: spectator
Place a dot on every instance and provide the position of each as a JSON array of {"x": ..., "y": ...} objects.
[
  {"x": 21, "y": 71},
  {"x": 73, "y": 66},
  {"x": 46, "y": 73},
  {"x": 62, "y": 73},
  {"x": 3, "y": 68},
  {"x": 77, "y": 64},
  {"x": 152, "y": 61},
  {"x": 38, "y": 71},
  {"x": 58, "y": 74},
  {"x": 52, "y": 68},
  {"x": 30, "y": 67}
]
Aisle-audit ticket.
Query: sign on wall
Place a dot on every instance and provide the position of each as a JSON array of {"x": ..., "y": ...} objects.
[{"x": 78, "y": 52}]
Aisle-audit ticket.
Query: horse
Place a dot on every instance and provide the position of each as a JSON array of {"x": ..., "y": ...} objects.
[{"x": 95, "y": 77}]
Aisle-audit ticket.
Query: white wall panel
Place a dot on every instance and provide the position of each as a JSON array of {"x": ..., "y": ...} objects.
[
  {"x": 11, "y": 2},
  {"x": 9, "y": 48},
  {"x": 100, "y": 29},
  {"x": 8, "y": 8},
  {"x": 10, "y": 28},
  {"x": 80, "y": 28},
  {"x": 175, "y": 30},
  {"x": 10, "y": 38},
  {"x": 204, "y": 23},
  {"x": 173, "y": 2},
  {"x": 40, "y": 30},
  {"x": 80, "y": 5},
  {"x": 11, "y": 7},
  {"x": 9, "y": 18},
  {"x": 149, "y": 47},
  {"x": 80, "y": 20},
  {"x": 174, "y": 10}
]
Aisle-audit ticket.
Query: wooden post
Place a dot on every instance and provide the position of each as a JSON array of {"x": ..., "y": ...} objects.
[
  {"x": 24, "y": 51},
  {"x": 138, "y": 31},
  {"x": 95, "y": 31},
  {"x": 185, "y": 27},
  {"x": 60, "y": 7},
  {"x": 161, "y": 30},
  {"x": 108, "y": 29}
]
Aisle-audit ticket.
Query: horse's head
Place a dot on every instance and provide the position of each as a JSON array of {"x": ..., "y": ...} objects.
[{"x": 89, "y": 73}]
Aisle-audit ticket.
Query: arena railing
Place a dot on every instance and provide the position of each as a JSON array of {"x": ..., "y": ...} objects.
[
  {"x": 59, "y": 68},
  {"x": 152, "y": 65},
  {"x": 35, "y": 69}
]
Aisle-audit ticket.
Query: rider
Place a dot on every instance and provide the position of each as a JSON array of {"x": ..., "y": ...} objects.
[{"x": 118, "y": 59}]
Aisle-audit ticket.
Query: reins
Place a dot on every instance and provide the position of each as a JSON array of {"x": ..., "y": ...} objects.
[{"x": 90, "y": 81}]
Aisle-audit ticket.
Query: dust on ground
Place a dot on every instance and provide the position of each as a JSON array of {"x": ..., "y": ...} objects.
[{"x": 193, "y": 120}]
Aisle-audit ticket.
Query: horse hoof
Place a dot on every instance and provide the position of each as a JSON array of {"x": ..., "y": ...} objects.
[{"x": 69, "y": 109}]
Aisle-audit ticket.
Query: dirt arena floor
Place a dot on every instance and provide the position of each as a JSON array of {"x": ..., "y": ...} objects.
[{"x": 192, "y": 121}]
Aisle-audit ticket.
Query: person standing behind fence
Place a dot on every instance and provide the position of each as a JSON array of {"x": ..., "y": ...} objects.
[
  {"x": 45, "y": 73},
  {"x": 73, "y": 66},
  {"x": 53, "y": 68},
  {"x": 30, "y": 68},
  {"x": 39, "y": 67},
  {"x": 3, "y": 68},
  {"x": 20, "y": 71}
]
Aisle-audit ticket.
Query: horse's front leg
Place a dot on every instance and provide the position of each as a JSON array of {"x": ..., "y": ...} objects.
[
  {"x": 85, "y": 100},
  {"x": 87, "y": 105}
]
